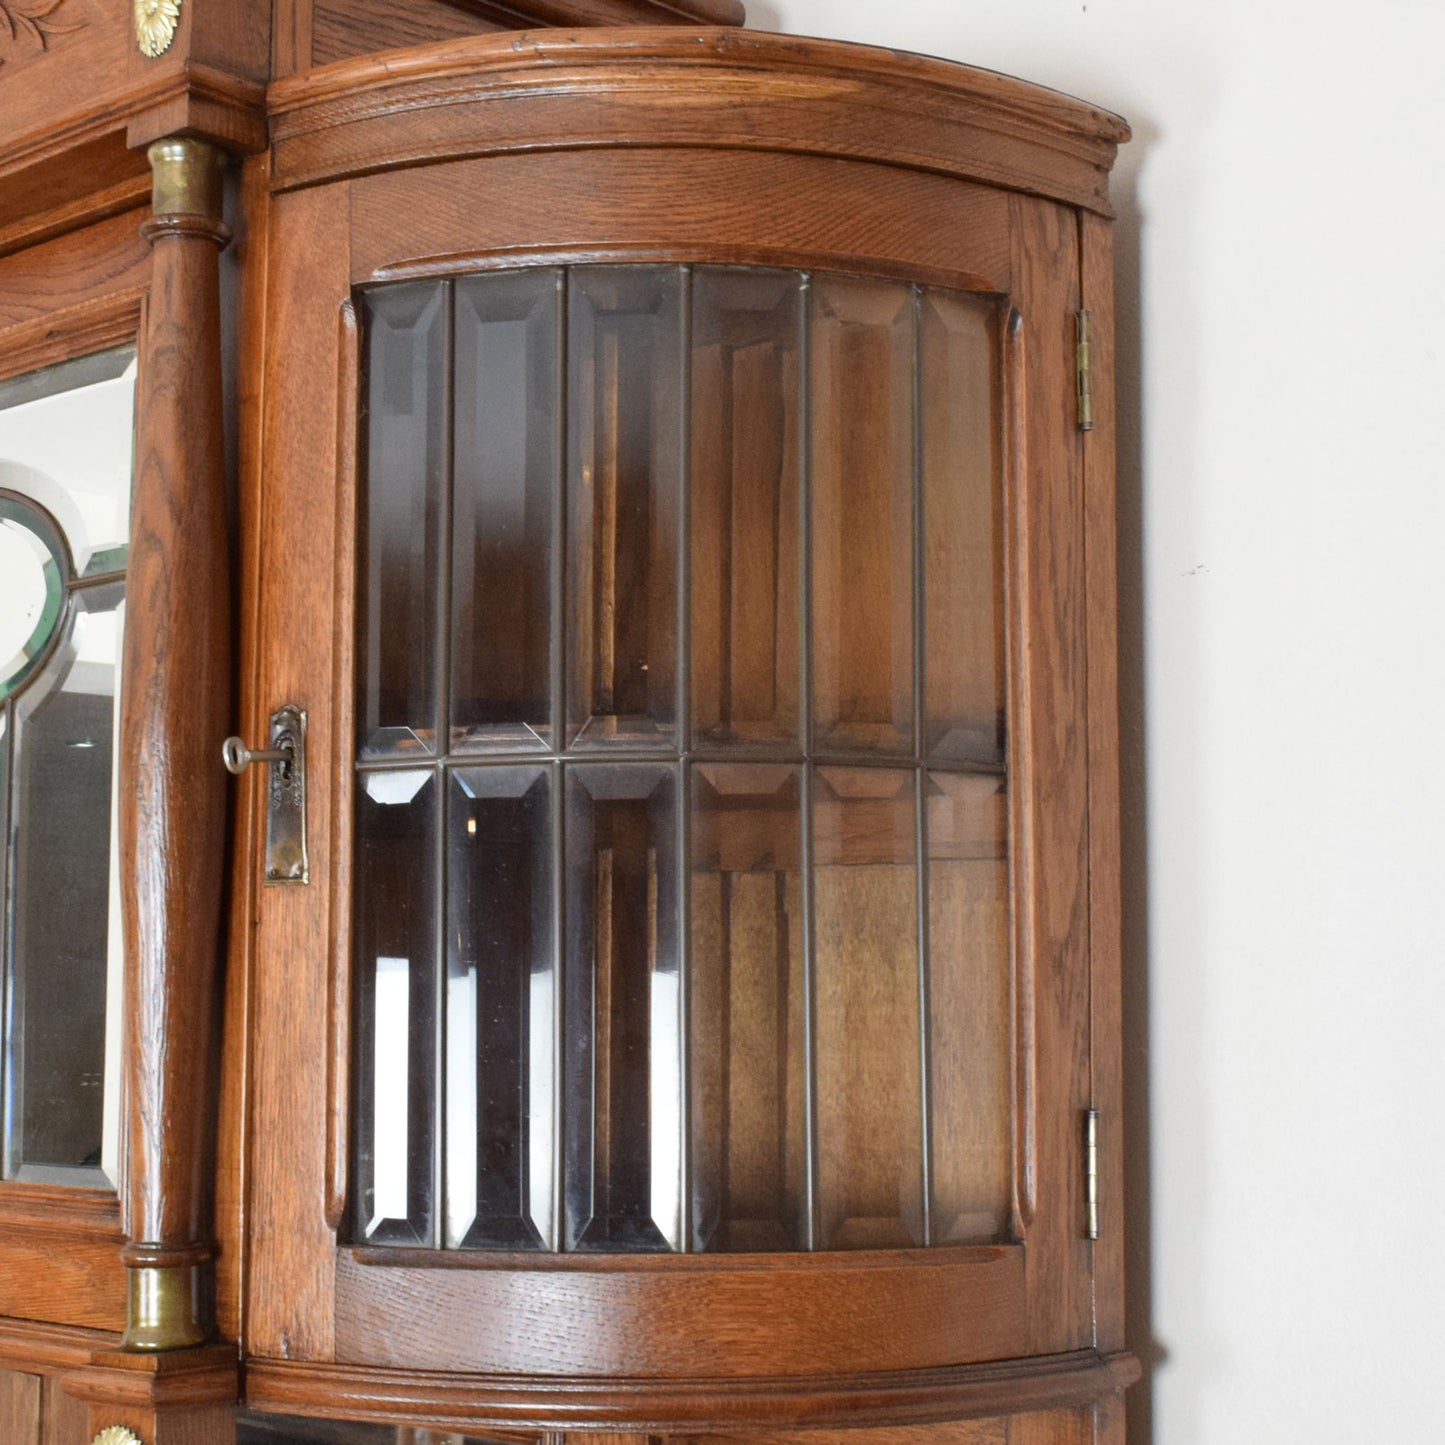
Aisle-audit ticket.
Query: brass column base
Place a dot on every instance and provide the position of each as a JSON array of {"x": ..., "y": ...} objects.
[{"x": 165, "y": 1308}]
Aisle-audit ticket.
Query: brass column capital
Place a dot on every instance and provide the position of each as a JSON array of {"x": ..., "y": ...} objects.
[{"x": 187, "y": 189}]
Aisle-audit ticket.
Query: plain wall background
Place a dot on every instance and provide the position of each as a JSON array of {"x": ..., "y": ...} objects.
[{"x": 1282, "y": 299}]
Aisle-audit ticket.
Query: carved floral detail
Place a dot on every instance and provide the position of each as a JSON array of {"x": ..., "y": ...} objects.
[
  {"x": 116, "y": 1435},
  {"x": 155, "y": 25},
  {"x": 28, "y": 23}
]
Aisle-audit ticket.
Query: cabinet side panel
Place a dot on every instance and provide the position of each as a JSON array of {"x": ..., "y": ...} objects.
[
  {"x": 1052, "y": 878},
  {"x": 66, "y": 1419},
  {"x": 290, "y": 1270},
  {"x": 19, "y": 1408},
  {"x": 1105, "y": 903}
]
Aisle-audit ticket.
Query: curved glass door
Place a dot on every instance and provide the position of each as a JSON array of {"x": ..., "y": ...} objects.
[
  {"x": 65, "y": 486},
  {"x": 682, "y": 852}
]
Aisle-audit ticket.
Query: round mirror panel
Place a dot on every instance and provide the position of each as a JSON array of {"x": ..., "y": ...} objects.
[{"x": 33, "y": 575}]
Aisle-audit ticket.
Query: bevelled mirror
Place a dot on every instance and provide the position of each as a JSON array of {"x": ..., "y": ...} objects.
[{"x": 66, "y": 441}]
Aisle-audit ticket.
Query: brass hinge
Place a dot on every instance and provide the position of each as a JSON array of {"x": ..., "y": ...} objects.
[
  {"x": 1084, "y": 369},
  {"x": 1091, "y": 1173}
]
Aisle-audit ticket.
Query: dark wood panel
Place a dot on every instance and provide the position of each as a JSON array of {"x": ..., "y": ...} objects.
[
  {"x": 680, "y": 1317},
  {"x": 703, "y": 206},
  {"x": 20, "y": 1408},
  {"x": 66, "y": 1419}
]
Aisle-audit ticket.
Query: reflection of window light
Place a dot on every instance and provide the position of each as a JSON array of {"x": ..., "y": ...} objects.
[
  {"x": 392, "y": 1065},
  {"x": 461, "y": 1104},
  {"x": 539, "y": 1100},
  {"x": 471, "y": 827},
  {"x": 394, "y": 789},
  {"x": 666, "y": 1110}
]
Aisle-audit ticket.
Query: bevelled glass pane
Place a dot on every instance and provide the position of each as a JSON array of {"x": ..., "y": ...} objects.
[
  {"x": 862, "y": 443},
  {"x": 969, "y": 965},
  {"x": 746, "y": 418},
  {"x": 501, "y": 1030},
  {"x": 623, "y": 1099},
  {"x": 870, "y": 1132},
  {"x": 506, "y": 483},
  {"x": 401, "y": 510},
  {"x": 748, "y": 1060},
  {"x": 624, "y": 485},
  {"x": 395, "y": 891},
  {"x": 963, "y": 527}
]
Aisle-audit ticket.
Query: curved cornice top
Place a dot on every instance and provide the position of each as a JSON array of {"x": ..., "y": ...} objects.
[{"x": 721, "y": 88}]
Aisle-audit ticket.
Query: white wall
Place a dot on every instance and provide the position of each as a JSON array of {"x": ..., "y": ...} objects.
[{"x": 1283, "y": 309}]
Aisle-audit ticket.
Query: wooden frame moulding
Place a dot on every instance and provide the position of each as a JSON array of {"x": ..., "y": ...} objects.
[{"x": 72, "y": 295}]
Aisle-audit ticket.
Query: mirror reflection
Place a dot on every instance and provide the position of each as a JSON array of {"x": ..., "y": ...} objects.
[{"x": 66, "y": 443}]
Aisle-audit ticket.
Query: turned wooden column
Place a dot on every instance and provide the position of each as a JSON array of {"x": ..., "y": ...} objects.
[{"x": 175, "y": 711}]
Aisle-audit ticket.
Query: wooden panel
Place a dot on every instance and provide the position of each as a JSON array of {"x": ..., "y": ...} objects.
[
  {"x": 344, "y": 28},
  {"x": 20, "y": 1409},
  {"x": 63, "y": 1279},
  {"x": 74, "y": 271},
  {"x": 96, "y": 179},
  {"x": 702, "y": 206},
  {"x": 737, "y": 90},
  {"x": 233, "y": 1156},
  {"x": 1105, "y": 903},
  {"x": 681, "y": 1317},
  {"x": 66, "y": 1419},
  {"x": 1051, "y": 873},
  {"x": 289, "y": 1271}
]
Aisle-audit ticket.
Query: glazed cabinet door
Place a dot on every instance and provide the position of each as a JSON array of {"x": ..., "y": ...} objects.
[{"x": 689, "y": 973}]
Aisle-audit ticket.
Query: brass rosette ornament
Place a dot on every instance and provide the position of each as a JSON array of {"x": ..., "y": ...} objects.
[{"x": 155, "y": 25}]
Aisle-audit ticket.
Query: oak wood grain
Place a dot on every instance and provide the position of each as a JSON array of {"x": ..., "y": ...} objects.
[
  {"x": 66, "y": 1420},
  {"x": 1053, "y": 900},
  {"x": 476, "y": 1404},
  {"x": 175, "y": 703},
  {"x": 721, "y": 89},
  {"x": 233, "y": 1160},
  {"x": 676, "y": 1316},
  {"x": 63, "y": 1277},
  {"x": 1073, "y": 1427},
  {"x": 20, "y": 1408},
  {"x": 50, "y": 1349},
  {"x": 706, "y": 206},
  {"x": 84, "y": 269},
  {"x": 289, "y": 1271}
]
